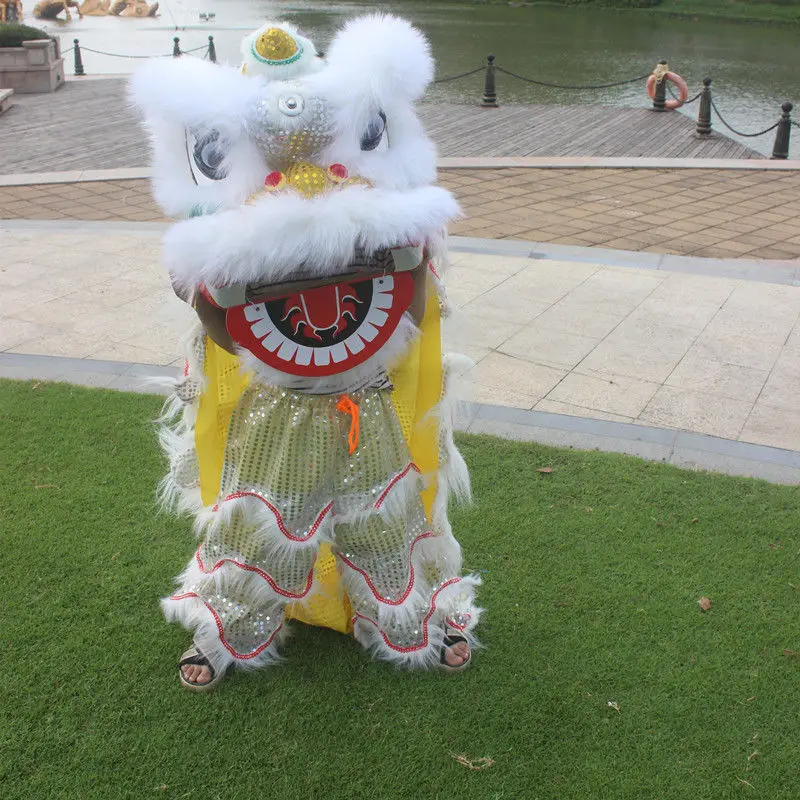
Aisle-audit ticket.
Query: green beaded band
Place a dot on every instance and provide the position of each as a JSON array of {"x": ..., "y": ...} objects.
[{"x": 280, "y": 61}]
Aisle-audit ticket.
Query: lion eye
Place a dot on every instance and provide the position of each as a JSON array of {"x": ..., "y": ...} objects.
[
  {"x": 374, "y": 133},
  {"x": 208, "y": 153}
]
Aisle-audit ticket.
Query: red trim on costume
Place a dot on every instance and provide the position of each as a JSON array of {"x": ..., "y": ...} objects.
[
  {"x": 265, "y": 575},
  {"x": 400, "y": 475},
  {"x": 221, "y": 630},
  {"x": 456, "y": 625},
  {"x": 380, "y": 598},
  {"x": 358, "y": 617},
  {"x": 433, "y": 270},
  {"x": 278, "y": 518},
  {"x": 185, "y": 367}
]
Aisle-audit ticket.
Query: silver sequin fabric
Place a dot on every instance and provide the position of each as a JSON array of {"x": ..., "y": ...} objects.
[{"x": 290, "y": 482}]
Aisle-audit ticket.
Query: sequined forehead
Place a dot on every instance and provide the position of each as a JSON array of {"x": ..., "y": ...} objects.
[{"x": 300, "y": 136}]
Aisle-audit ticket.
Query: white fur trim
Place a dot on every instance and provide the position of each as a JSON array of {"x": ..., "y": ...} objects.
[
  {"x": 285, "y": 236},
  {"x": 455, "y": 597}
]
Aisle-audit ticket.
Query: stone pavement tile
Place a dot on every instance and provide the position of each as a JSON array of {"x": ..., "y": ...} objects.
[
  {"x": 116, "y": 351},
  {"x": 546, "y": 281},
  {"x": 504, "y": 303},
  {"x": 66, "y": 344},
  {"x": 716, "y": 377},
  {"x": 782, "y": 388},
  {"x": 772, "y": 300},
  {"x": 615, "y": 395},
  {"x": 116, "y": 326},
  {"x": 637, "y": 353},
  {"x": 689, "y": 224},
  {"x": 455, "y": 344},
  {"x": 15, "y": 331},
  {"x": 731, "y": 348},
  {"x": 479, "y": 331},
  {"x": 539, "y": 205},
  {"x": 499, "y": 396},
  {"x": 686, "y": 288},
  {"x": 777, "y": 253},
  {"x": 576, "y": 319},
  {"x": 614, "y": 291},
  {"x": 672, "y": 313},
  {"x": 696, "y": 411},
  {"x": 772, "y": 426},
  {"x": 162, "y": 336},
  {"x": 542, "y": 345},
  {"x": 523, "y": 377},
  {"x": 572, "y": 410},
  {"x": 733, "y": 322},
  {"x": 616, "y": 244},
  {"x": 21, "y": 274},
  {"x": 496, "y": 265}
]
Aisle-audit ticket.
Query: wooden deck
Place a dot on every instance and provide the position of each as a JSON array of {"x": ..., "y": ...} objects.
[{"x": 89, "y": 125}]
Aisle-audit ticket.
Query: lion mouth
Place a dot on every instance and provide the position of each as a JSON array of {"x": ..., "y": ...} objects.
[{"x": 287, "y": 334}]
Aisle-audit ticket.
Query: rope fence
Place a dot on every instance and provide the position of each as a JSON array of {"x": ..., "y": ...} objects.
[
  {"x": 739, "y": 133},
  {"x": 661, "y": 74},
  {"x": 209, "y": 53},
  {"x": 567, "y": 86}
]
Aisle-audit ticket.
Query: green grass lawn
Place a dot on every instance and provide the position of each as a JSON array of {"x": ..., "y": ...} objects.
[{"x": 601, "y": 677}]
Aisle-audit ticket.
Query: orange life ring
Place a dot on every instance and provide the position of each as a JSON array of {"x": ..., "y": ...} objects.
[{"x": 683, "y": 89}]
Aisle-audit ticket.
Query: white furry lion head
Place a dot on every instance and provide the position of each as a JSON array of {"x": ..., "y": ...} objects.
[{"x": 288, "y": 175}]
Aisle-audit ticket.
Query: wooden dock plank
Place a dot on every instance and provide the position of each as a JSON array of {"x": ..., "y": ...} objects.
[{"x": 90, "y": 125}]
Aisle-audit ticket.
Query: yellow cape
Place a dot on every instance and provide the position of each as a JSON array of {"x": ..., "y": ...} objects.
[{"x": 417, "y": 384}]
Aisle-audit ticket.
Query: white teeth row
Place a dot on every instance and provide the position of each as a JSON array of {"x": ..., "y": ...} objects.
[{"x": 276, "y": 342}]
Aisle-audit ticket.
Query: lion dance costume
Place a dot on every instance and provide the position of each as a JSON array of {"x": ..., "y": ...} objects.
[{"x": 318, "y": 463}]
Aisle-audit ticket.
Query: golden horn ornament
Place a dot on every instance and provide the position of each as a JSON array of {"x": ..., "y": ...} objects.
[{"x": 275, "y": 44}]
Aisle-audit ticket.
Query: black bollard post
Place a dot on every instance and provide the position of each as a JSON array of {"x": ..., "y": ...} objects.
[
  {"x": 78, "y": 59},
  {"x": 176, "y": 47},
  {"x": 660, "y": 98},
  {"x": 704, "y": 115},
  {"x": 783, "y": 132},
  {"x": 489, "y": 99},
  {"x": 212, "y": 51}
]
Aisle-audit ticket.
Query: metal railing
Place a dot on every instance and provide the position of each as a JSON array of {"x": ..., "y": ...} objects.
[
  {"x": 782, "y": 126},
  {"x": 77, "y": 50}
]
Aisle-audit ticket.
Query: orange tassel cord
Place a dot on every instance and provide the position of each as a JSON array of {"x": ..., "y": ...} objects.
[{"x": 347, "y": 406}]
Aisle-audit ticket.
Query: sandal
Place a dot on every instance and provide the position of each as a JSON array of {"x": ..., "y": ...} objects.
[
  {"x": 193, "y": 657},
  {"x": 449, "y": 640}
]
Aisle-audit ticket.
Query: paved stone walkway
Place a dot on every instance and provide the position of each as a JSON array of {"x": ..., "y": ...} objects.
[
  {"x": 713, "y": 355},
  {"x": 703, "y": 212}
]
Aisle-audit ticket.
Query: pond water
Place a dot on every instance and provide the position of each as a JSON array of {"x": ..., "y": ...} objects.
[{"x": 754, "y": 67}]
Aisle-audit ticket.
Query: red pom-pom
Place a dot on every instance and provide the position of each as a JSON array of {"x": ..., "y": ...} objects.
[
  {"x": 273, "y": 180},
  {"x": 338, "y": 171}
]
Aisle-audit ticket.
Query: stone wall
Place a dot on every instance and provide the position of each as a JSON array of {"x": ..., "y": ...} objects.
[{"x": 37, "y": 66}]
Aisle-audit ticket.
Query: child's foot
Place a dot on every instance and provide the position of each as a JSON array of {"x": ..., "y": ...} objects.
[
  {"x": 455, "y": 653},
  {"x": 196, "y": 672}
]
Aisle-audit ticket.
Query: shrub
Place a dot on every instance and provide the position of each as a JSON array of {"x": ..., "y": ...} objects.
[{"x": 14, "y": 34}]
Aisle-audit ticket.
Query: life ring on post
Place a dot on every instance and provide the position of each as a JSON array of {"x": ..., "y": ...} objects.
[{"x": 683, "y": 89}]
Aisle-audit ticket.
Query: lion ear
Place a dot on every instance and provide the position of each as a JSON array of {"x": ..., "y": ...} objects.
[
  {"x": 191, "y": 93},
  {"x": 382, "y": 56}
]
